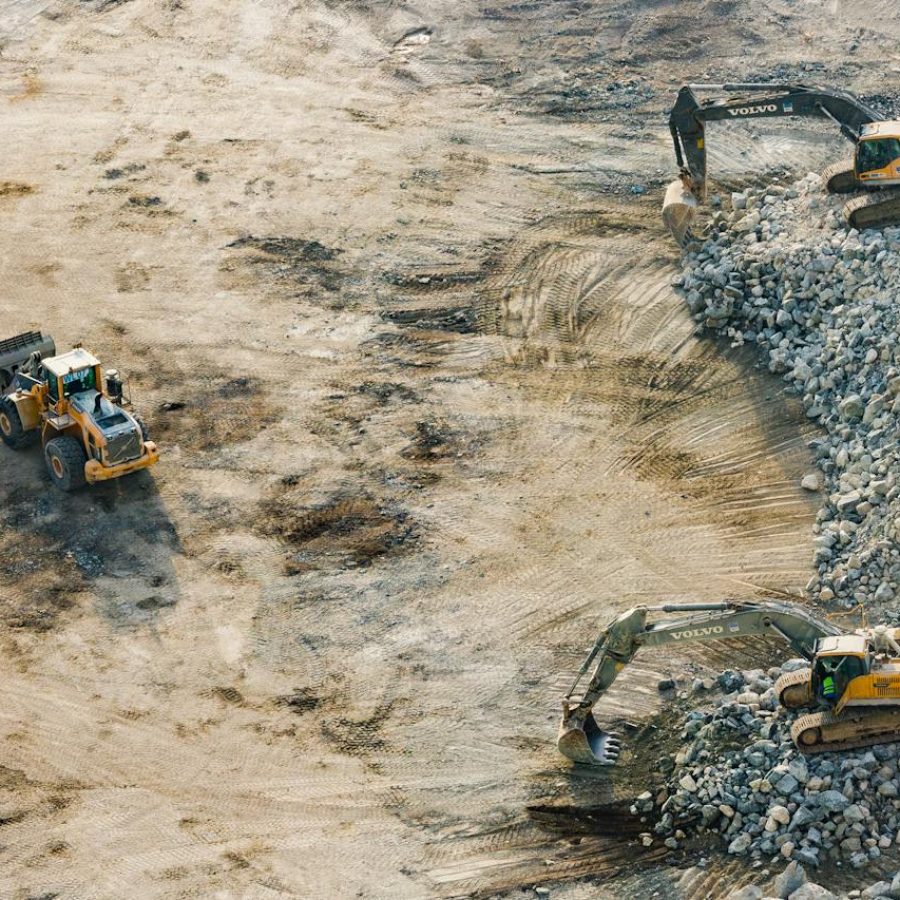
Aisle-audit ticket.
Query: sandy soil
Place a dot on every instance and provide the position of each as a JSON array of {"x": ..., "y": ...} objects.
[{"x": 438, "y": 415}]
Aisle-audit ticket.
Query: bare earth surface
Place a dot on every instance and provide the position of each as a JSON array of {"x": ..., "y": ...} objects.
[{"x": 437, "y": 416}]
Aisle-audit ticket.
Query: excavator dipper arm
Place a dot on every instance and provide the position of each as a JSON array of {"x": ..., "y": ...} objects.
[{"x": 582, "y": 740}]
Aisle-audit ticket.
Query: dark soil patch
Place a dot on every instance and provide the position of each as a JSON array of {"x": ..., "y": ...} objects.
[
  {"x": 385, "y": 391},
  {"x": 130, "y": 169},
  {"x": 228, "y": 695},
  {"x": 303, "y": 264},
  {"x": 302, "y": 700},
  {"x": 427, "y": 282},
  {"x": 38, "y": 608},
  {"x": 104, "y": 5},
  {"x": 436, "y": 439},
  {"x": 297, "y": 250},
  {"x": 346, "y": 529},
  {"x": 15, "y": 189},
  {"x": 609, "y": 820},
  {"x": 356, "y": 738},
  {"x": 459, "y": 318},
  {"x": 211, "y": 412},
  {"x": 145, "y": 202},
  {"x": 55, "y": 545}
]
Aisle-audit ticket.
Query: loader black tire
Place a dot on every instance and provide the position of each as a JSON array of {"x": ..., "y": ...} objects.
[
  {"x": 65, "y": 458},
  {"x": 11, "y": 430}
]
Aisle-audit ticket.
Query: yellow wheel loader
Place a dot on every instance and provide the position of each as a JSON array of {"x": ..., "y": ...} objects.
[
  {"x": 853, "y": 677},
  {"x": 64, "y": 402},
  {"x": 874, "y": 168}
]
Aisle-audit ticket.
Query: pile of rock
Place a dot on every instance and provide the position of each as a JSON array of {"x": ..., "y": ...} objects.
[
  {"x": 740, "y": 776},
  {"x": 783, "y": 272},
  {"x": 792, "y": 884}
]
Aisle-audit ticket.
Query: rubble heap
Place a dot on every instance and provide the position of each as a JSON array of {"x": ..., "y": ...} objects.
[
  {"x": 792, "y": 884},
  {"x": 740, "y": 776},
  {"x": 783, "y": 272}
]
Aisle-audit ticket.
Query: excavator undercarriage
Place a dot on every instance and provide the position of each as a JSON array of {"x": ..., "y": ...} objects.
[{"x": 823, "y": 732}]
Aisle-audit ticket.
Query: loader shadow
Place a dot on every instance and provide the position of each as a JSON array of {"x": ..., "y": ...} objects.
[{"x": 113, "y": 544}]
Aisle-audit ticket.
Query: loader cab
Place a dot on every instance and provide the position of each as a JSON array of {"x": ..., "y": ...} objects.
[
  {"x": 838, "y": 661},
  {"x": 71, "y": 373},
  {"x": 878, "y": 154}
]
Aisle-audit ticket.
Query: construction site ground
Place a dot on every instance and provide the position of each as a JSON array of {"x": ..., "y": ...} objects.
[{"x": 389, "y": 284}]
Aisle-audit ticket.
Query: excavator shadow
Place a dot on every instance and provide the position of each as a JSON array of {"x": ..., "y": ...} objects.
[{"x": 609, "y": 820}]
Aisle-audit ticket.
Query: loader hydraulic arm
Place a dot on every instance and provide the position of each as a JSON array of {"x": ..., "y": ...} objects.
[
  {"x": 689, "y": 116},
  {"x": 582, "y": 741}
]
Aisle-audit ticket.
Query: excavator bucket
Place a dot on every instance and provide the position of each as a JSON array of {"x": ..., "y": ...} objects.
[
  {"x": 679, "y": 209},
  {"x": 589, "y": 744}
]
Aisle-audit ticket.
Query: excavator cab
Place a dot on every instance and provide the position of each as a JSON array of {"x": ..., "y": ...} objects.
[
  {"x": 838, "y": 661},
  {"x": 878, "y": 153}
]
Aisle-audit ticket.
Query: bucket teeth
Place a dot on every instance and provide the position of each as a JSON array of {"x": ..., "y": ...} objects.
[
  {"x": 589, "y": 744},
  {"x": 608, "y": 753}
]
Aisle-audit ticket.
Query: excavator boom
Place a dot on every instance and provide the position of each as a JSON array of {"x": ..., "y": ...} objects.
[
  {"x": 689, "y": 115},
  {"x": 582, "y": 740}
]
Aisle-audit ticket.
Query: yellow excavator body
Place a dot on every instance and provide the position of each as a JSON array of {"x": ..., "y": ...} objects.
[
  {"x": 880, "y": 688},
  {"x": 852, "y": 677},
  {"x": 874, "y": 169}
]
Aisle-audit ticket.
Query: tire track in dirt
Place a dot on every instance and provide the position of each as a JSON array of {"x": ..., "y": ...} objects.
[{"x": 653, "y": 463}]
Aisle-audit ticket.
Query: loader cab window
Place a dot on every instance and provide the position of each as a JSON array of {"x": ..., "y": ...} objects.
[
  {"x": 53, "y": 388},
  {"x": 76, "y": 382},
  {"x": 832, "y": 674},
  {"x": 876, "y": 154}
]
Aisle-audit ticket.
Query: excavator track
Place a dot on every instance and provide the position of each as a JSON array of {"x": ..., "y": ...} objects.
[
  {"x": 879, "y": 209},
  {"x": 840, "y": 177},
  {"x": 824, "y": 732},
  {"x": 793, "y": 689}
]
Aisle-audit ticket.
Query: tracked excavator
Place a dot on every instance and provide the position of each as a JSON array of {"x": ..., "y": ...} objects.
[
  {"x": 853, "y": 677},
  {"x": 874, "y": 168}
]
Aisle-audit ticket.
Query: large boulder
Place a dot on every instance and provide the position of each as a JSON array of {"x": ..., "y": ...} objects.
[
  {"x": 789, "y": 881},
  {"x": 811, "y": 891}
]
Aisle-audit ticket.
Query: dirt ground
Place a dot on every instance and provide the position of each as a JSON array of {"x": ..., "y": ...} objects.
[{"x": 390, "y": 287}]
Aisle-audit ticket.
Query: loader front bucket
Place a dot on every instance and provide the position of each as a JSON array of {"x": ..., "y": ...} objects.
[
  {"x": 14, "y": 353},
  {"x": 679, "y": 209},
  {"x": 589, "y": 743}
]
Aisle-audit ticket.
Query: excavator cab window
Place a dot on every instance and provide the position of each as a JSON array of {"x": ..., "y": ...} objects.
[
  {"x": 832, "y": 674},
  {"x": 877, "y": 153}
]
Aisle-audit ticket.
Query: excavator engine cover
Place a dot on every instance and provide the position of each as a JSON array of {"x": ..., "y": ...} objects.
[
  {"x": 678, "y": 212},
  {"x": 590, "y": 745}
]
